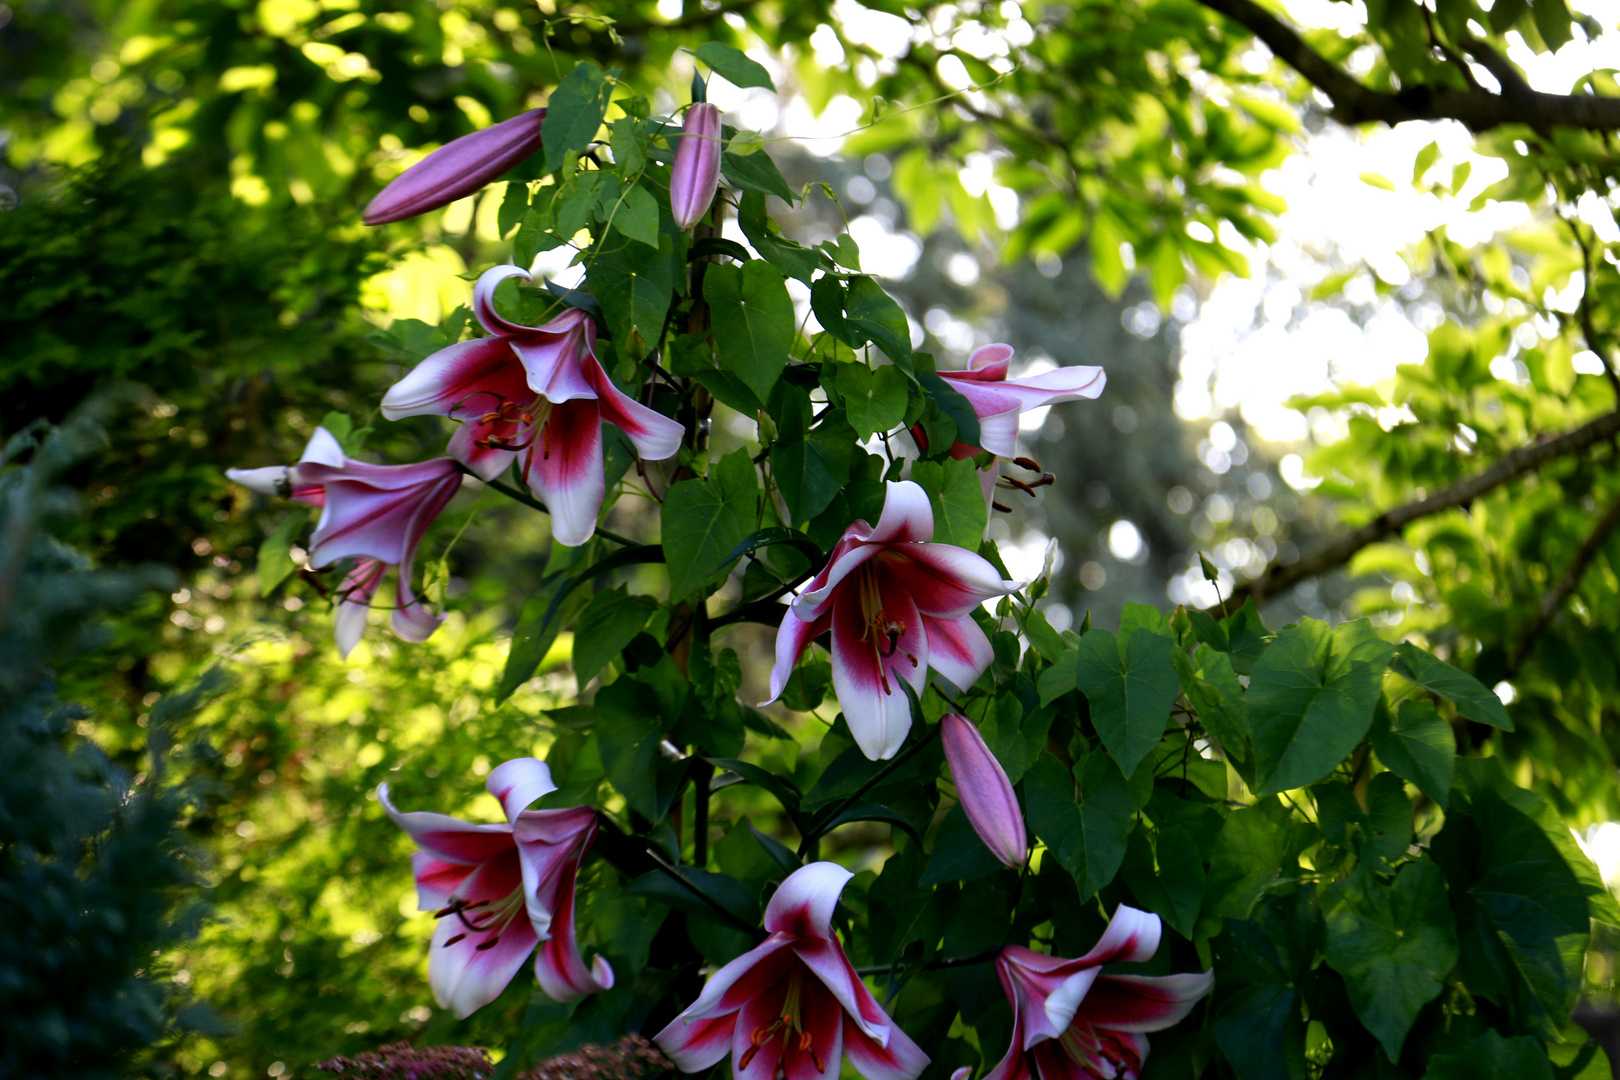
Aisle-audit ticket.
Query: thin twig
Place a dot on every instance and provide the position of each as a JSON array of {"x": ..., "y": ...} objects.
[
  {"x": 1554, "y": 601},
  {"x": 1276, "y": 577}
]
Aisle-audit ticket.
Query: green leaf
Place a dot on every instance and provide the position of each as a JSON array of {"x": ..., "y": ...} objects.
[
  {"x": 1311, "y": 700},
  {"x": 1088, "y": 839},
  {"x": 1251, "y": 855},
  {"x": 734, "y": 66},
  {"x": 633, "y": 285},
  {"x": 954, "y": 491},
  {"x": 1174, "y": 889},
  {"x": 545, "y": 612},
  {"x": 811, "y": 471},
  {"x": 1262, "y": 1035},
  {"x": 1417, "y": 745},
  {"x": 1464, "y": 691},
  {"x": 1504, "y": 13},
  {"x": 629, "y": 142},
  {"x": 1491, "y": 1057},
  {"x": 637, "y": 216},
  {"x": 959, "y": 854},
  {"x": 1213, "y": 689},
  {"x": 874, "y": 400},
  {"x": 574, "y": 113},
  {"x": 700, "y": 529},
  {"x": 1131, "y": 685},
  {"x": 794, "y": 260},
  {"x": 1382, "y": 831},
  {"x": 875, "y": 315},
  {"x": 514, "y": 204},
  {"x": 753, "y": 322},
  {"x": 1383, "y": 183},
  {"x": 757, "y": 173},
  {"x": 275, "y": 563},
  {"x": 629, "y": 728},
  {"x": 1394, "y": 945},
  {"x": 609, "y": 622}
]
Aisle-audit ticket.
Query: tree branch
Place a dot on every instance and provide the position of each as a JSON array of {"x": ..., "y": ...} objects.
[
  {"x": 1276, "y": 577},
  {"x": 1554, "y": 601},
  {"x": 1479, "y": 110}
]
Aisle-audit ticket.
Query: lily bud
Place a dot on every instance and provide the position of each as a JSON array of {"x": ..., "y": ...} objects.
[
  {"x": 696, "y": 173},
  {"x": 986, "y": 794},
  {"x": 457, "y": 168}
]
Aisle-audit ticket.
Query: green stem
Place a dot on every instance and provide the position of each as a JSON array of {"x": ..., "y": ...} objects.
[{"x": 518, "y": 495}]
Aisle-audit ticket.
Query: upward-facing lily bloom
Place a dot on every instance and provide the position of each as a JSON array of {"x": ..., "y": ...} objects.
[
  {"x": 983, "y": 788},
  {"x": 1071, "y": 1022},
  {"x": 456, "y": 169},
  {"x": 500, "y": 889},
  {"x": 897, "y": 606},
  {"x": 793, "y": 1008},
  {"x": 695, "y": 175},
  {"x": 374, "y": 514},
  {"x": 997, "y": 400},
  {"x": 536, "y": 395}
]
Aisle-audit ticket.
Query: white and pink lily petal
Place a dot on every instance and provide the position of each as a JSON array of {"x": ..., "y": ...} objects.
[
  {"x": 536, "y": 395},
  {"x": 896, "y": 606},
  {"x": 500, "y": 889},
  {"x": 998, "y": 401},
  {"x": 793, "y": 1006},
  {"x": 551, "y": 844},
  {"x": 1073, "y": 1022}
]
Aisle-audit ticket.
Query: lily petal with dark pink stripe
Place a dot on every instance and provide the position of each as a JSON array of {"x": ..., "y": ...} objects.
[
  {"x": 793, "y": 1006},
  {"x": 896, "y": 606}
]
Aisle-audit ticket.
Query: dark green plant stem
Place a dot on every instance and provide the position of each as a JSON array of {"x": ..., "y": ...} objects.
[
  {"x": 633, "y": 858},
  {"x": 701, "y": 775},
  {"x": 818, "y": 823},
  {"x": 983, "y": 956},
  {"x": 535, "y": 504}
]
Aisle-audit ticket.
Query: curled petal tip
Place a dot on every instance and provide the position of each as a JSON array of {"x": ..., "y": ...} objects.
[{"x": 456, "y": 169}]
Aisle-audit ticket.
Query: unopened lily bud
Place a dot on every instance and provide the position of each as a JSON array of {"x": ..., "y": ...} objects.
[
  {"x": 696, "y": 173},
  {"x": 457, "y": 168},
  {"x": 986, "y": 794}
]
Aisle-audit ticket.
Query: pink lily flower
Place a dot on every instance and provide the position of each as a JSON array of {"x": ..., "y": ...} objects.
[
  {"x": 897, "y": 606},
  {"x": 696, "y": 173},
  {"x": 499, "y": 890},
  {"x": 534, "y": 394},
  {"x": 793, "y": 1007},
  {"x": 374, "y": 514},
  {"x": 1071, "y": 1022},
  {"x": 997, "y": 400},
  {"x": 984, "y": 790},
  {"x": 456, "y": 169}
]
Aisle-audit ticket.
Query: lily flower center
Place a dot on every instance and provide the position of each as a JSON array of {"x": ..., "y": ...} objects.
[
  {"x": 1101, "y": 1055},
  {"x": 878, "y": 627},
  {"x": 787, "y": 1026},
  {"x": 486, "y": 917}
]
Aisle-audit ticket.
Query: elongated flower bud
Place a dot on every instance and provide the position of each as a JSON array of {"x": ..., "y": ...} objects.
[
  {"x": 697, "y": 165},
  {"x": 457, "y": 168},
  {"x": 982, "y": 785}
]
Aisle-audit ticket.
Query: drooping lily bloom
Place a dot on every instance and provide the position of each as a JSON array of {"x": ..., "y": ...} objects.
[
  {"x": 984, "y": 790},
  {"x": 374, "y": 514},
  {"x": 500, "y": 889},
  {"x": 793, "y": 1008},
  {"x": 456, "y": 169},
  {"x": 997, "y": 400},
  {"x": 897, "y": 606},
  {"x": 696, "y": 172},
  {"x": 537, "y": 395},
  {"x": 1072, "y": 1022}
]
